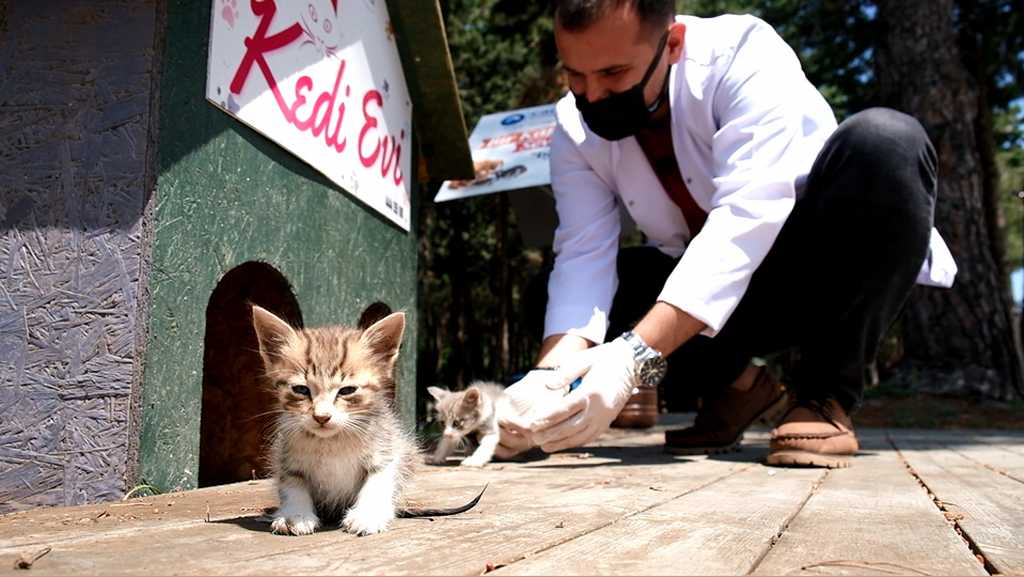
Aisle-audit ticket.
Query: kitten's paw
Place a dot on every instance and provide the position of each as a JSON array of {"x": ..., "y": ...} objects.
[
  {"x": 471, "y": 462},
  {"x": 295, "y": 525},
  {"x": 432, "y": 460},
  {"x": 368, "y": 520}
]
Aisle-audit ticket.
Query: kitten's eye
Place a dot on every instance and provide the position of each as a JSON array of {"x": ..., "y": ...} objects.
[
  {"x": 301, "y": 390},
  {"x": 457, "y": 424},
  {"x": 346, "y": 391}
]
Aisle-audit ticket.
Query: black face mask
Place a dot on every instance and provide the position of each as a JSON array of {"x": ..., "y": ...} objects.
[{"x": 622, "y": 114}]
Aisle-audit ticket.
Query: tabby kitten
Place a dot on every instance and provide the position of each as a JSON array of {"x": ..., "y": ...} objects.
[
  {"x": 339, "y": 450},
  {"x": 474, "y": 411}
]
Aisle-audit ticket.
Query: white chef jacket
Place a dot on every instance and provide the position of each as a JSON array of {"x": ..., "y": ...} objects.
[{"x": 747, "y": 126}]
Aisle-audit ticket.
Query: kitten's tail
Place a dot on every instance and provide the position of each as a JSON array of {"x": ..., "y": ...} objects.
[{"x": 408, "y": 513}]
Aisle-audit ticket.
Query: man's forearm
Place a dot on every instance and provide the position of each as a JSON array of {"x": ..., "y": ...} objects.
[
  {"x": 665, "y": 328},
  {"x": 557, "y": 347}
]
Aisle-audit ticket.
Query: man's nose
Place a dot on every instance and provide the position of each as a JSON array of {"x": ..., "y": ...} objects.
[{"x": 594, "y": 92}]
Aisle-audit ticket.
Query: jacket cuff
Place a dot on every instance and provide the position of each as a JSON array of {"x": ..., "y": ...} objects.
[
  {"x": 713, "y": 315},
  {"x": 590, "y": 323}
]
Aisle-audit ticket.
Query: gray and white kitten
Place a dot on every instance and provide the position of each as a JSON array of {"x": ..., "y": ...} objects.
[
  {"x": 474, "y": 411},
  {"x": 339, "y": 451}
]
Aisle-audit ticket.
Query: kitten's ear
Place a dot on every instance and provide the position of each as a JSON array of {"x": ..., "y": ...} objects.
[
  {"x": 438, "y": 393},
  {"x": 373, "y": 313},
  {"x": 272, "y": 333},
  {"x": 472, "y": 396},
  {"x": 384, "y": 337}
]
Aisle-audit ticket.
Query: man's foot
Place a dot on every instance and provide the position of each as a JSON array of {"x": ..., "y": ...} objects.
[
  {"x": 720, "y": 423},
  {"x": 813, "y": 434}
]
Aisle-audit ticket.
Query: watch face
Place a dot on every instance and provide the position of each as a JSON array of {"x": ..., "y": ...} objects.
[{"x": 652, "y": 371}]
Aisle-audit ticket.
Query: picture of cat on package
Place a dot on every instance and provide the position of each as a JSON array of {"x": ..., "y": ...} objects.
[
  {"x": 472, "y": 413},
  {"x": 339, "y": 452}
]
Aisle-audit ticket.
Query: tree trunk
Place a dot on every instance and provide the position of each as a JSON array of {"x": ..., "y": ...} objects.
[
  {"x": 501, "y": 255},
  {"x": 972, "y": 28},
  {"x": 959, "y": 340}
]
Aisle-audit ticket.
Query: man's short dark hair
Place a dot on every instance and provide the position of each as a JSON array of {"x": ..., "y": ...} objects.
[{"x": 576, "y": 15}]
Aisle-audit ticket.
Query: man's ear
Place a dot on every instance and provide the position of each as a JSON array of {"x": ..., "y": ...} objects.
[
  {"x": 384, "y": 337},
  {"x": 271, "y": 332},
  {"x": 676, "y": 41},
  {"x": 438, "y": 393}
]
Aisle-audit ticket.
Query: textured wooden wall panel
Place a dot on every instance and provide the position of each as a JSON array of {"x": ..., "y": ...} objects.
[{"x": 75, "y": 82}]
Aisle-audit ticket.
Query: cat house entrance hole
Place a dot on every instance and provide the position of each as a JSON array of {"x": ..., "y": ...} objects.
[{"x": 238, "y": 406}]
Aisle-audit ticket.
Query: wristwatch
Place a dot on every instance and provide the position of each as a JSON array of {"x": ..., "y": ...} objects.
[{"x": 650, "y": 365}]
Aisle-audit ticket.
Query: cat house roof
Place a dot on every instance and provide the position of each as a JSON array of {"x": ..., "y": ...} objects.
[{"x": 427, "y": 64}]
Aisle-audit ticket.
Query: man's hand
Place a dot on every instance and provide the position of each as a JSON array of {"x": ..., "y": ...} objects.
[
  {"x": 512, "y": 443},
  {"x": 587, "y": 412},
  {"x": 538, "y": 389}
]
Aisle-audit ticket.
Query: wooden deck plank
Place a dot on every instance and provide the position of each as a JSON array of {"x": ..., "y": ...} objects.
[
  {"x": 49, "y": 525},
  {"x": 996, "y": 458},
  {"x": 240, "y": 503},
  {"x": 871, "y": 519},
  {"x": 40, "y": 527},
  {"x": 999, "y": 451},
  {"x": 528, "y": 507},
  {"x": 721, "y": 529},
  {"x": 227, "y": 501},
  {"x": 1006, "y": 448},
  {"x": 54, "y": 525},
  {"x": 1002, "y": 452},
  {"x": 589, "y": 511},
  {"x": 1010, "y": 444},
  {"x": 992, "y": 505}
]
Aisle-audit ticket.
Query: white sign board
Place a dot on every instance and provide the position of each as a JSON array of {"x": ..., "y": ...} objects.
[
  {"x": 323, "y": 79},
  {"x": 510, "y": 151}
]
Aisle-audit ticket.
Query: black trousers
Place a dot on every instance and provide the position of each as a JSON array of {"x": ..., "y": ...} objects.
[{"x": 833, "y": 282}]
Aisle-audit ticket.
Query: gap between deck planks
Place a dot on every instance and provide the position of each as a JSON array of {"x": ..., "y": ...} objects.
[
  {"x": 1002, "y": 452},
  {"x": 871, "y": 519},
  {"x": 991, "y": 503}
]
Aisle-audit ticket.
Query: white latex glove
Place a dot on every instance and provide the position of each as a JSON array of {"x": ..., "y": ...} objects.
[
  {"x": 536, "y": 390},
  {"x": 584, "y": 414}
]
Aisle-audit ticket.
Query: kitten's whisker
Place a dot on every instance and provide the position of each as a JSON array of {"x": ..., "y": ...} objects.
[
  {"x": 265, "y": 413},
  {"x": 287, "y": 426},
  {"x": 360, "y": 429}
]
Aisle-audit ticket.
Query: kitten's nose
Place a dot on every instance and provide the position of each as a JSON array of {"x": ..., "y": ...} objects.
[{"x": 322, "y": 419}]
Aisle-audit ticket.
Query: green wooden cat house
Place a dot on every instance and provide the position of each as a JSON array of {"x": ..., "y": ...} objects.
[{"x": 163, "y": 173}]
